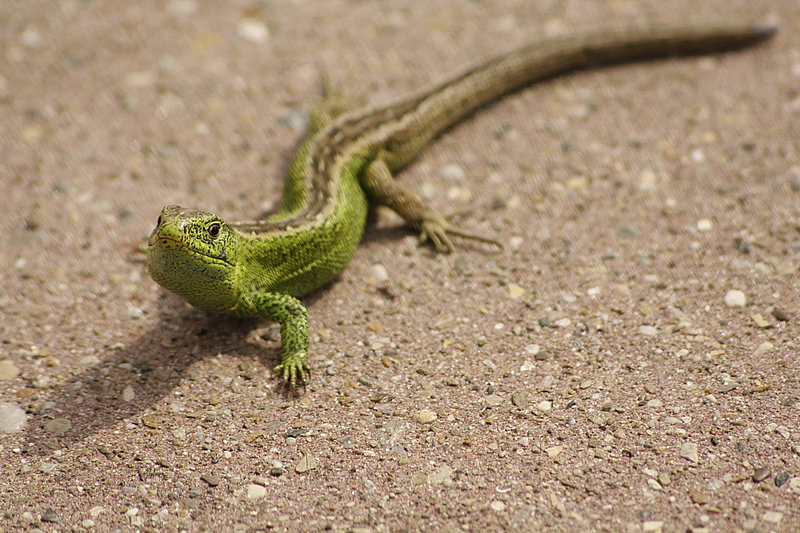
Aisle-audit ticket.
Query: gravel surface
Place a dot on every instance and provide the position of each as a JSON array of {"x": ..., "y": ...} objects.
[{"x": 628, "y": 363}]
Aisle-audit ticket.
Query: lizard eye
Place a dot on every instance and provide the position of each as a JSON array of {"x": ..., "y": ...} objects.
[{"x": 213, "y": 230}]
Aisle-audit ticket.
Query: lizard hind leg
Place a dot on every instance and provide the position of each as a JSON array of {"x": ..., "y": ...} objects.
[
  {"x": 334, "y": 102},
  {"x": 382, "y": 188}
]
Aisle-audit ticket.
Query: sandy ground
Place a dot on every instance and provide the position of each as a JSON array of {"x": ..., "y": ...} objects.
[{"x": 590, "y": 377}]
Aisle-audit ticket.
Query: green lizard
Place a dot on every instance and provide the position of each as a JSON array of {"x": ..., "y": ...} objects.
[{"x": 261, "y": 268}]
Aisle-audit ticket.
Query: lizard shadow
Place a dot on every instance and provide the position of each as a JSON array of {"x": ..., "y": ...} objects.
[{"x": 114, "y": 390}]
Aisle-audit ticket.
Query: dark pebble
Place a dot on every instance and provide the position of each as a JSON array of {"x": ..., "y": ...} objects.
[
  {"x": 50, "y": 516},
  {"x": 780, "y": 314},
  {"x": 781, "y": 478},
  {"x": 277, "y": 471}
]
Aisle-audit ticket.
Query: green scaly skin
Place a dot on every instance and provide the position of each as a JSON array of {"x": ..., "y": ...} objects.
[{"x": 261, "y": 268}]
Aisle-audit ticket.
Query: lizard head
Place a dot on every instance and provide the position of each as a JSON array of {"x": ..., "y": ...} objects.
[{"x": 194, "y": 254}]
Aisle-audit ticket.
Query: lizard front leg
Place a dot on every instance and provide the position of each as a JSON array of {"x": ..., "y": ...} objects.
[{"x": 292, "y": 315}]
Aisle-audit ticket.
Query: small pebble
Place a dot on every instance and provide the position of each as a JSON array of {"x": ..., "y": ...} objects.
[
  {"x": 128, "y": 393},
  {"x": 252, "y": 30},
  {"x": 8, "y": 370},
  {"x": 58, "y": 426},
  {"x": 255, "y": 492},
  {"x": 441, "y": 476},
  {"x": 379, "y": 272},
  {"x": 781, "y": 478},
  {"x": 308, "y": 462},
  {"x": 453, "y": 172},
  {"x": 689, "y": 451},
  {"x": 424, "y": 416},
  {"x": 544, "y": 406},
  {"x": 135, "y": 313},
  {"x": 648, "y": 330},
  {"x": 494, "y": 400},
  {"x": 761, "y": 321},
  {"x": 653, "y": 484},
  {"x": 497, "y": 506},
  {"x": 50, "y": 516},
  {"x": 761, "y": 474},
  {"x": 554, "y": 451},
  {"x": 12, "y": 418},
  {"x": 763, "y": 348},
  {"x": 520, "y": 398},
  {"x": 780, "y": 314},
  {"x": 515, "y": 291},
  {"x": 152, "y": 421},
  {"x": 211, "y": 479},
  {"x": 698, "y": 497},
  {"x": 191, "y": 503},
  {"x": 704, "y": 224},
  {"x": 735, "y": 298}
]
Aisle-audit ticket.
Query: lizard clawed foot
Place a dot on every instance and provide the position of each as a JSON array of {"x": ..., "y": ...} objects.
[
  {"x": 294, "y": 371},
  {"x": 437, "y": 229}
]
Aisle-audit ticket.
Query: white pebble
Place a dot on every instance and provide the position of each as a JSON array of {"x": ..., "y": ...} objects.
[
  {"x": 31, "y": 37},
  {"x": 704, "y": 224},
  {"x": 128, "y": 394},
  {"x": 452, "y": 172},
  {"x": 735, "y": 298},
  {"x": 648, "y": 330},
  {"x": 532, "y": 349},
  {"x": 252, "y": 30},
  {"x": 689, "y": 451},
  {"x": 12, "y": 418},
  {"x": 379, "y": 272},
  {"x": 497, "y": 506},
  {"x": 256, "y": 492}
]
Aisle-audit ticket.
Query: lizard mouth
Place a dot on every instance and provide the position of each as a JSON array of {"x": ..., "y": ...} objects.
[{"x": 156, "y": 239}]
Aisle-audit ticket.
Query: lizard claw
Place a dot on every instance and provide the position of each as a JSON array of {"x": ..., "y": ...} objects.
[
  {"x": 437, "y": 229},
  {"x": 294, "y": 370}
]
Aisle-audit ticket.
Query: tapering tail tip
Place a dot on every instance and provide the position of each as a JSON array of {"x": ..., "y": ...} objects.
[{"x": 768, "y": 27}]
